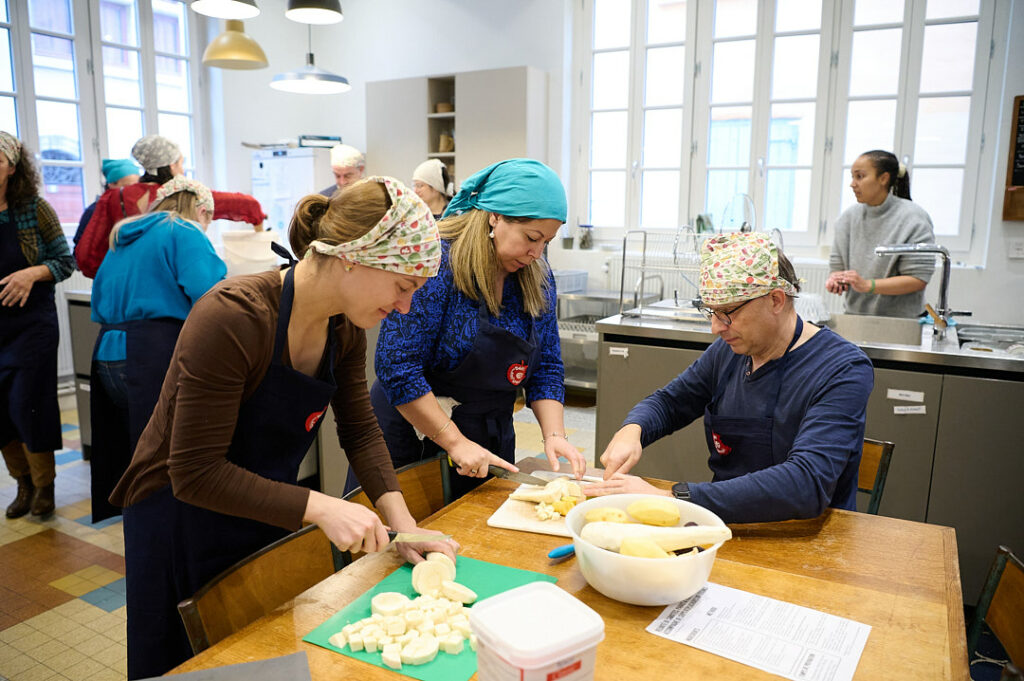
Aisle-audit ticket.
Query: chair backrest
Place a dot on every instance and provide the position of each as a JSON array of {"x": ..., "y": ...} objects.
[
  {"x": 422, "y": 486},
  {"x": 257, "y": 584},
  {"x": 1001, "y": 606},
  {"x": 874, "y": 467}
]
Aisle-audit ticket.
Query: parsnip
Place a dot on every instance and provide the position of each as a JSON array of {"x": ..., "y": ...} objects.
[
  {"x": 389, "y": 604},
  {"x": 642, "y": 547},
  {"x": 458, "y": 592},
  {"x": 427, "y": 576},
  {"x": 610, "y": 535},
  {"x": 443, "y": 560}
]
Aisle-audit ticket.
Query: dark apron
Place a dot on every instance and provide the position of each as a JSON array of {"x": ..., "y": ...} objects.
[
  {"x": 28, "y": 356},
  {"x": 485, "y": 383},
  {"x": 115, "y": 432},
  {"x": 172, "y": 548},
  {"x": 743, "y": 444}
]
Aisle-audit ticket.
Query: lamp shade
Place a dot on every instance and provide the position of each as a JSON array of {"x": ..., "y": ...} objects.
[
  {"x": 310, "y": 80},
  {"x": 314, "y": 11},
  {"x": 233, "y": 49},
  {"x": 226, "y": 9}
]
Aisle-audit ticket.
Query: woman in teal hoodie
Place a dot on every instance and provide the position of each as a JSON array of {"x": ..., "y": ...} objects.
[{"x": 160, "y": 263}]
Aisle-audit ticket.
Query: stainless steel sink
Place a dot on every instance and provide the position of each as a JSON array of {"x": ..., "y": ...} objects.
[
  {"x": 868, "y": 329},
  {"x": 991, "y": 338}
]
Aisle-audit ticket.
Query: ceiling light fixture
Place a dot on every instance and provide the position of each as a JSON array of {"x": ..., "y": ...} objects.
[
  {"x": 310, "y": 80},
  {"x": 234, "y": 49},
  {"x": 314, "y": 11},
  {"x": 226, "y": 9}
]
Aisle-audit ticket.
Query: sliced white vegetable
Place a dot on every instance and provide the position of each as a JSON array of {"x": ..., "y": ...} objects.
[
  {"x": 472, "y": 641},
  {"x": 370, "y": 644},
  {"x": 441, "y": 630},
  {"x": 413, "y": 618},
  {"x": 389, "y": 604},
  {"x": 444, "y": 560},
  {"x": 385, "y": 641},
  {"x": 338, "y": 640},
  {"x": 392, "y": 657},
  {"x": 609, "y": 535},
  {"x": 395, "y": 626},
  {"x": 422, "y": 650},
  {"x": 463, "y": 628},
  {"x": 408, "y": 636},
  {"x": 426, "y": 627},
  {"x": 427, "y": 576},
  {"x": 458, "y": 592},
  {"x": 355, "y": 642},
  {"x": 452, "y": 644}
]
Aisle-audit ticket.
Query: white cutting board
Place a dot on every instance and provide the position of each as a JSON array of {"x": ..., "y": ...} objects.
[{"x": 522, "y": 515}]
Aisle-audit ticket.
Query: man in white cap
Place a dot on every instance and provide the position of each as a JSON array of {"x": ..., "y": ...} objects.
[
  {"x": 783, "y": 402},
  {"x": 348, "y": 165}
]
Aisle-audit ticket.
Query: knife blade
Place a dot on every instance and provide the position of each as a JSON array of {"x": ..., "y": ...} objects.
[
  {"x": 499, "y": 472},
  {"x": 407, "y": 537}
]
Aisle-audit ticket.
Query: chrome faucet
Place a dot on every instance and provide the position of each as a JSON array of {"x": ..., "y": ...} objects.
[{"x": 944, "y": 312}]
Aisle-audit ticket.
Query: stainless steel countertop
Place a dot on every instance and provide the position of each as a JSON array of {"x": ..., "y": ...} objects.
[{"x": 945, "y": 354}]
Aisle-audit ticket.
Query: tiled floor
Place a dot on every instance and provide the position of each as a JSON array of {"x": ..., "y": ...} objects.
[{"x": 62, "y": 612}]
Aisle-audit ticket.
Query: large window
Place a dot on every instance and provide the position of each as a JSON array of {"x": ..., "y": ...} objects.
[
  {"x": 75, "y": 96},
  {"x": 754, "y": 110}
]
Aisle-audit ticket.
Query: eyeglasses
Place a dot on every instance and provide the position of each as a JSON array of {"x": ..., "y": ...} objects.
[{"x": 722, "y": 315}]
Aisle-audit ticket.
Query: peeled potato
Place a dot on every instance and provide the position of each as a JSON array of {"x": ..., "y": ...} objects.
[
  {"x": 642, "y": 547},
  {"x": 655, "y": 511},
  {"x": 606, "y": 514}
]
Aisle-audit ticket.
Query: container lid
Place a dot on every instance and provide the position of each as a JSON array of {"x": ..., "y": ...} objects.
[{"x": 536, "y": 624}]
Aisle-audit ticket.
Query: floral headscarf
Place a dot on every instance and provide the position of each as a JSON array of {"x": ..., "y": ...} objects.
[
  {"x": 405, "y": 241},
  {"x": 740, "y": 266},
  {"x": 184, "y": 184}
]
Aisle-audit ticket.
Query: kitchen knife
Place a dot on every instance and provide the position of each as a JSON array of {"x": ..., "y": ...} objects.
[
  {"x": 397, "y": 537},
  {"x": 499, "y": 472}
]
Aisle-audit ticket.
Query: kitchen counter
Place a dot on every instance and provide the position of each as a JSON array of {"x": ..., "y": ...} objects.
[{"x": 951, "y": 411}]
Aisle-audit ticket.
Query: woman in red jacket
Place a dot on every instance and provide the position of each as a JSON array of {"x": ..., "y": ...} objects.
[{"x": 162, "y": 161}]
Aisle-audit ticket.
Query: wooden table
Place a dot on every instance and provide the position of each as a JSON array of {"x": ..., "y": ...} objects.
[{"x": 900, "y": 577}]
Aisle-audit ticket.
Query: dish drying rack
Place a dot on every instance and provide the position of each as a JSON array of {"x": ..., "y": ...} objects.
[{"x": 661, "y": 261}]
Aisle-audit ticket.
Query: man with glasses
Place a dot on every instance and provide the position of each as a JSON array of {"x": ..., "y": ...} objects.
[{"x": 783, "y": 401}]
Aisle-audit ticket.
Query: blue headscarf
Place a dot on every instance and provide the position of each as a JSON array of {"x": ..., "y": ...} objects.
[
  {"x": 518, "y": 187},
  {"x": 116, "y": 168}
]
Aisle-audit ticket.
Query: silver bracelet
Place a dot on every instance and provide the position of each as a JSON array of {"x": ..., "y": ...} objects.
[{"x": 544, "y": 440}]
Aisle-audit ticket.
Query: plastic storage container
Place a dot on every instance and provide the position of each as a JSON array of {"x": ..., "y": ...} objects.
[
  {"x": 570, "y": 281},
  {"x": 536, "y": 632}
]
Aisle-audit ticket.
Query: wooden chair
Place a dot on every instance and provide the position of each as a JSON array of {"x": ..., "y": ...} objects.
[
  {"x": 1001, "y": 606},
  {"x": 423, "y": 485},
  {"x": 257, "y": 584},
  {"x": 874, "y": 467}
]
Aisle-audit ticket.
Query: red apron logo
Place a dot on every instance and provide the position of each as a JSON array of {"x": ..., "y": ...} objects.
[
  {"x": 313, "y": 418},
  {"x": 720, "y": 446},
  {"x": 516, "y": 373}
]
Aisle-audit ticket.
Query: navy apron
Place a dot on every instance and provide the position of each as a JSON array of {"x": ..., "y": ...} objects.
[
  {"x": 485, "y": 383},
  {"x": 28, "y": 355},
  {"x": 743, "y": 444},
  {"x": 172, "y": 548},
  {"x": 150, "y": 345}
]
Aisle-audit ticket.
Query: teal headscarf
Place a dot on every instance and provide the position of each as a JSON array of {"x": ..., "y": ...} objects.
[
  {"x": 518, "y": 187},
  {"x": 116, "y": 168}
]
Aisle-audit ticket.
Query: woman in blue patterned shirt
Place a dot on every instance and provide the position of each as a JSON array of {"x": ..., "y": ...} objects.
[
  {"x": 33, "y": 256},
  {"x": 478, "y": 331}
]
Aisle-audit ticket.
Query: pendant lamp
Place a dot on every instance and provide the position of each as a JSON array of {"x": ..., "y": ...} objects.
[
  {"x": 310, "y": 80},
  {"x": 226, "y": 9},
  {"x": 314, "y": 11},
  {"x": 234, "y": 49}
]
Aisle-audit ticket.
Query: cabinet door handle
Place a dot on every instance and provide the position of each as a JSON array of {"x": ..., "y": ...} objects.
[{"x": 619, "y": 352}]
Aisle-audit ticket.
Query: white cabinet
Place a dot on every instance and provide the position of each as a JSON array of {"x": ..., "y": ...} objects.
[{"x": 498, "y": 114}]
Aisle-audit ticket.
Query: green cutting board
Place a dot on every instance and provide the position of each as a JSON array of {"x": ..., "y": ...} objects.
[{"x": 486, "y": 579}]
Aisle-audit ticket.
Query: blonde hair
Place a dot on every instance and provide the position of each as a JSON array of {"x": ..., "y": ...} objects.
[
  {"x": 473, "y": 263},
  {"x": 349, "y": 214},
  {"x": 183, "y": 205}
]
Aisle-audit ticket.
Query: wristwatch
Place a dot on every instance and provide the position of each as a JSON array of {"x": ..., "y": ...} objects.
[{"x": 681, "y": 490}]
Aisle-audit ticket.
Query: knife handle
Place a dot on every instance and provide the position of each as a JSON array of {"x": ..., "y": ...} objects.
[
  {"x": 562, "y": 551},
  {"x": 391, "y": 535}
]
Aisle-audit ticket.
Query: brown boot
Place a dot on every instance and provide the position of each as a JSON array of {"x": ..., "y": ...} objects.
[
  {"x": 23, "y": 499},
  {"x": 42, "y": 502}
]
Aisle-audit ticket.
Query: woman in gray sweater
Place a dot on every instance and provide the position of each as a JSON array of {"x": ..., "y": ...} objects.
[{"x": 889, "y": 286}]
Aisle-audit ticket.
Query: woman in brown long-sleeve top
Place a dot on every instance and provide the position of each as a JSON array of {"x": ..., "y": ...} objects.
[{"x": 258, "y": 359}]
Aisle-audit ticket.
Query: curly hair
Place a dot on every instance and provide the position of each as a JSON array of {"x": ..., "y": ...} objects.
[{"x": 24, "y": 183}]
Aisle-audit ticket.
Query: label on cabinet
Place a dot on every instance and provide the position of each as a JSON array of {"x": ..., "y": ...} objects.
[
  {"x": 915, "y": 409},
  {"x": 905, "y": 395}
]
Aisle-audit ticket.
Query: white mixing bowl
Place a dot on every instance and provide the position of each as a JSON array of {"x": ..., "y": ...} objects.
[{"x": 642, "y": 581}]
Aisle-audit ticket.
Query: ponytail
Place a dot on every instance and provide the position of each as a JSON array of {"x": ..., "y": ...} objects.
[
  {"x": 899, "y": 176},
  {"x": 349, "y": 214}
]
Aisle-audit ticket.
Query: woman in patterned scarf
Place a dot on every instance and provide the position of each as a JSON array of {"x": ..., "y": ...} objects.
[
  {"x": 258, "y": 361},
  {"x": 34, "y": 256}
]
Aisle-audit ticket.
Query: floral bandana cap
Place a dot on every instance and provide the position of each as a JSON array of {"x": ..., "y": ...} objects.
[
  {"x": 405, "y": 241},
  {"x": 740, "y": 266},
  {"x": 184, "y": 184},
  {"x": 11, "y": 147}
]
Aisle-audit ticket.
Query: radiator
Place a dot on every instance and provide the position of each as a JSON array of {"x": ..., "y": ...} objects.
[{"x": 65, "y": 366}]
